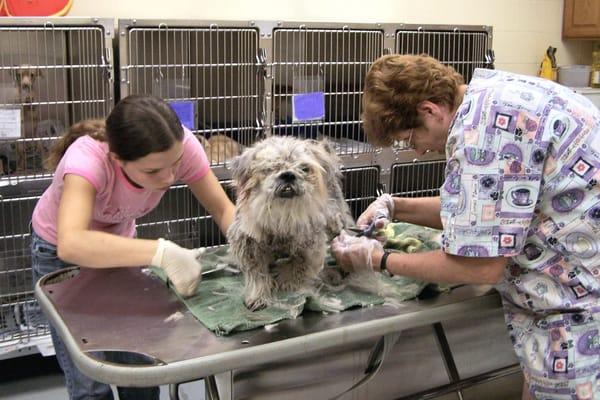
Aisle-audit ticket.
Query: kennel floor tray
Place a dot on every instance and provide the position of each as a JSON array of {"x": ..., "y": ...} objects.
[{"x": 124, "y": 309}]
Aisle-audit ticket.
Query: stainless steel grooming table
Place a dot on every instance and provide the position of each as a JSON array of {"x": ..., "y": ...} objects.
[{"x": 125, "y": 309}]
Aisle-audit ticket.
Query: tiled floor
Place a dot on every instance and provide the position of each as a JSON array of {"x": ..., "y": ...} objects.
[{"x": 39, "y": 378}]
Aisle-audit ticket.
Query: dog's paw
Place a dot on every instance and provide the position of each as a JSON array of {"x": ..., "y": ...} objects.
[
  {"x": 332, "y": 276},
  {"x": 291, "y": 279},
  {"x": 255, "y": 304},
  {"x": 288, "y": 285}
]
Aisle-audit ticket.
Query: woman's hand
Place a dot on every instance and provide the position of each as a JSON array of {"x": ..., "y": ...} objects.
[
  {"x": 181, "y": 265},
  {"x": 355, "y": 253},
  {"x": 380, "y": 212}
]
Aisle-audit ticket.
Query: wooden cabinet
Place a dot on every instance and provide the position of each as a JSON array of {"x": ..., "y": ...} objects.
[{"x": 581, "y": 19}]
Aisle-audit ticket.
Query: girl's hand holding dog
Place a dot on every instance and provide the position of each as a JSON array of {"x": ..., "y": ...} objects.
[
  {"x": 355, "y": 253},
  {"x": 379, "y": 212},
  {"x": 181, "y": 265}
]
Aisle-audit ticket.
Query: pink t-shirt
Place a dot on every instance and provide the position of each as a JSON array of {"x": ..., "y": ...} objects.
[{"x": 118, "y": 202}]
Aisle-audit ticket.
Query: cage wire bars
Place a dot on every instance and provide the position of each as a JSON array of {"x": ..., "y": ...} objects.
[
  {"x": 231, "y": 82},
  {"x": 53, "y": 72},
  {"x": 212, "y": 74},
  {"x": 464, "y": 48}
]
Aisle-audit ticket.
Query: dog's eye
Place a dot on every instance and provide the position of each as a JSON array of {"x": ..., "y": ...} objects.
[{"x": 306, "y": 169}]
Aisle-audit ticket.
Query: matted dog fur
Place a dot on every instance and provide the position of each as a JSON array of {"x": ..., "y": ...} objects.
[{"x": 289, "y": 205}]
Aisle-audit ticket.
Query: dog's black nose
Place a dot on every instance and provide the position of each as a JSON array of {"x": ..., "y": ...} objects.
[{"x": 287, "y": 177}]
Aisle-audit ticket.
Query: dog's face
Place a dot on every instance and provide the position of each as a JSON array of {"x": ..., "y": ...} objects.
[
  {"x": 25, "y": 77},
  {"x": 283, "y": 173}
]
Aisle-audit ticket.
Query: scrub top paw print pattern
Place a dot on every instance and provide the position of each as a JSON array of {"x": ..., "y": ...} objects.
[{"x": 522, "y": 181}]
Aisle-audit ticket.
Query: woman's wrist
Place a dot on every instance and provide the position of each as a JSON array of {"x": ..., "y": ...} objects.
[
  {"x": 376, "y": 259},
  {"x": 383, "y": 263},
  {"x": 398, "y": 207}
]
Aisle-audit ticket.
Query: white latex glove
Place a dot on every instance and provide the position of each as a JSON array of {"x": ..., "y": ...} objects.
[
  {"x": 181, "y": 265},
  {"x": 379, "y": 212},
  {"x": 354, "y": 253}
]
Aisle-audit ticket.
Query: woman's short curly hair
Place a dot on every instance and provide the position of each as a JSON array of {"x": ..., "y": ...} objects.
[{"x": 395, "y": 85}]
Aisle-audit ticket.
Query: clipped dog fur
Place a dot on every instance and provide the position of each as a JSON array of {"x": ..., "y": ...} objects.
[{"x": 289, "y": 205}]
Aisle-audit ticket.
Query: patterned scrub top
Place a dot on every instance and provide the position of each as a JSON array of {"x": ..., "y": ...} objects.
[{"x": 522, "y": 181}]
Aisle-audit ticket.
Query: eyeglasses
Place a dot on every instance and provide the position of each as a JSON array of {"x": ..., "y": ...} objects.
[{"x": 407, "y": 143}]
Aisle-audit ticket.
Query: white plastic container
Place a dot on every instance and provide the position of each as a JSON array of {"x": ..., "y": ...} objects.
[
  {"x": 574, "y": 75},
  {"x": 591, "y": 93}
]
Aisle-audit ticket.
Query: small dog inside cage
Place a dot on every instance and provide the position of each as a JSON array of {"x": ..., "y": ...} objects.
[
  {"x": 26, "y": 153},
  {"x": 290, "y": 203},
  {"x": 25, "y": 77},
  {"x": 220, "y": 148}
]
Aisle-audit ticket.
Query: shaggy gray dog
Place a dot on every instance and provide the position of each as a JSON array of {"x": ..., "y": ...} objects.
[{"x": 289, "y": 205}]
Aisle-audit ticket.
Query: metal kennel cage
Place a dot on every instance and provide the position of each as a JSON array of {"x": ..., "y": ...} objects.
[
  {"x": 53, "y": 72},
  {"x": 212, "y": 74},
  {"x": 318, "y": 73},
  {"x": 361, "y": 187},
  {"x": 462, "y": 47},
  {"x": 233, "y": 83},
  {"x": 417, "y": 179},
  {"x": 179, "y": 217},
  {"x": 325, "y": 64}
]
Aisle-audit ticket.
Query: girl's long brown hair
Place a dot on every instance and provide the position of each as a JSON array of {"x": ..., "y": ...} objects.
[
  {"x": 95, "y": 128},
  {"x": 137, "y": 126}
]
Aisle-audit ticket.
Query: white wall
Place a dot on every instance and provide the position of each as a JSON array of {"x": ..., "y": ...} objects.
[{"x": 523, "y": 29}]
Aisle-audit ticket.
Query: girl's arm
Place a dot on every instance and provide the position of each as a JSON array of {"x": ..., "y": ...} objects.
[
  {"x": 79, "y": 245},
  {"x": 211, "y": 195}
]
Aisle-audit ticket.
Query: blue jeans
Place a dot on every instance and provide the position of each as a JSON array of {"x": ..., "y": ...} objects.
[{"x": 80, "y": 387}]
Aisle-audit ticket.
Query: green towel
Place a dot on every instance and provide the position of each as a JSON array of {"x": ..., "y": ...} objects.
[
  {"x": 409, "y": 238},
  {"x": 219, "y": 304}
]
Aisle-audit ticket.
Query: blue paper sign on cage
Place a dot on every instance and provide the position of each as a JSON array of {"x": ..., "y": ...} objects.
[
  {"x": 308, "y": 106},
  {"x": 186, "y": 112}
]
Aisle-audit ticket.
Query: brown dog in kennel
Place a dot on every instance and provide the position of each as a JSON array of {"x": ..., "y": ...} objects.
[
  {"x": 220, "y": 148},
  {"x": 25, "y": 154}
]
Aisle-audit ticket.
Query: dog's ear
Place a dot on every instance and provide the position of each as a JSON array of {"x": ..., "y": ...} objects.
[
  {"x": 338, "y": 215},
  {"x": 240, "y": 167},
  {"x": 327, "y": 146},
  {"x": 325, "y": 154}
]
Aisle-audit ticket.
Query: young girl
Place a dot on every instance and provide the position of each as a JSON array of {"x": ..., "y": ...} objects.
[{"x": 107, "y": 175}]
